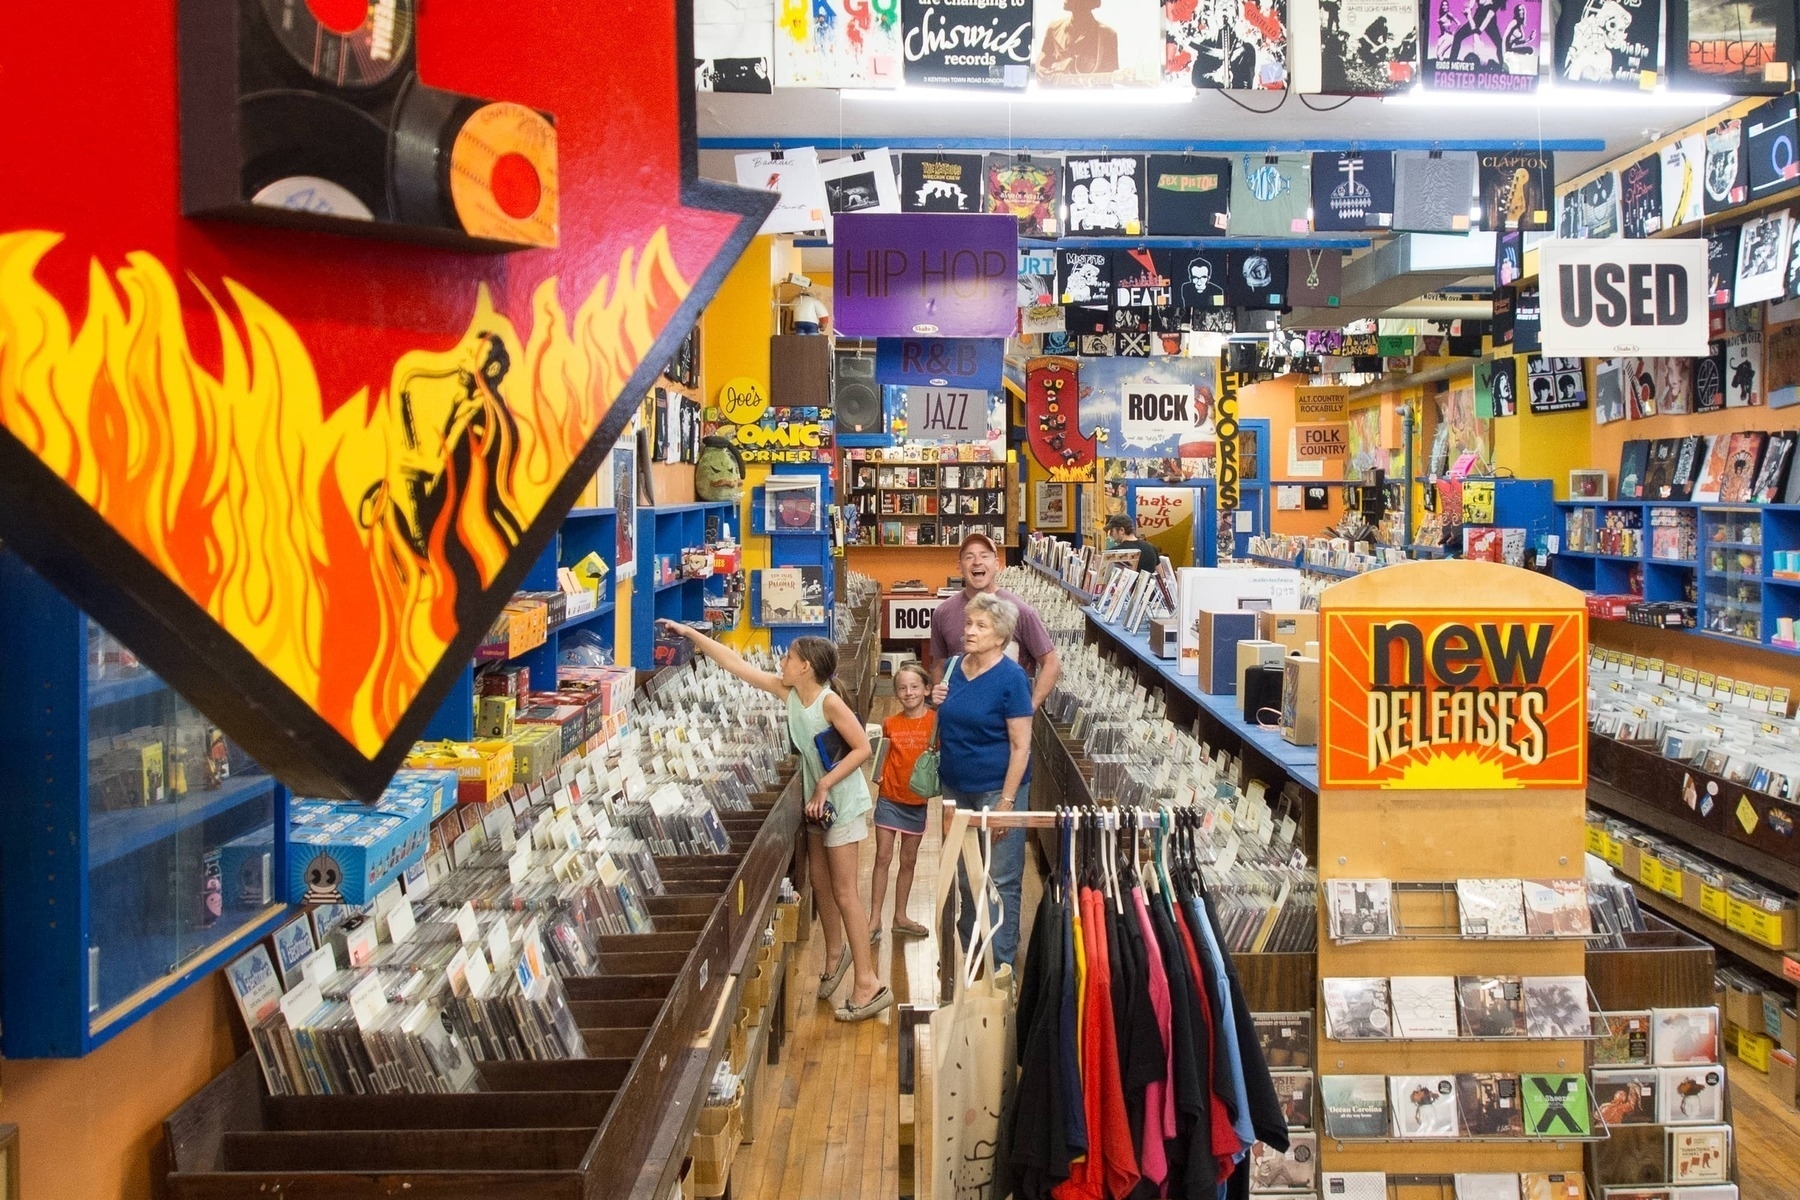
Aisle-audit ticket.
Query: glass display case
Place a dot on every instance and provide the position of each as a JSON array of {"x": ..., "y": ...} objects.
[
  {"x": 142, "y": 847},
  {"x": 1731, "y": 572}
]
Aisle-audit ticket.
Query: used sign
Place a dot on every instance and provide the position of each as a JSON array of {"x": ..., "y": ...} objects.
[{"x": 1607, "y": 297}]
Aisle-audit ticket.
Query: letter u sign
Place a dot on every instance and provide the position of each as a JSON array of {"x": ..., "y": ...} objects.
[{"x": 1618, "y": 296}]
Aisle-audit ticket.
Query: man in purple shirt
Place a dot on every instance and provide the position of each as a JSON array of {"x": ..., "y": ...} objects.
[{"x": 980, "y": 562}]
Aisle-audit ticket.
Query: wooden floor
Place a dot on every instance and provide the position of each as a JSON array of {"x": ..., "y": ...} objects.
[{"x": 829, "y": 1134}]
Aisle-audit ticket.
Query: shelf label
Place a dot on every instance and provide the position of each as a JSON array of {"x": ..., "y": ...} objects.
[
  {"x": 1715, "y": 903},
  {"x": 1790, "y": 970}
]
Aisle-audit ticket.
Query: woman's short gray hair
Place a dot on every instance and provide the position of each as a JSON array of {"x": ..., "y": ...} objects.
[{"x": 1001, "y": 611}]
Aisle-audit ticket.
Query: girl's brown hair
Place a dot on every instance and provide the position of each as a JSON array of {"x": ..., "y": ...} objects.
[
  {"x": 912, "y": 668},
  {"x": 819, "y": 654}
]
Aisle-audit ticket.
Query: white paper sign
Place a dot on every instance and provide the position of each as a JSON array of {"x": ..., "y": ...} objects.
[
  {"x": 910, "y": 620},
  {"x": 946, "y": 414},
  {"x": 1156, "y": 413},
  {"x": 1618, "y": 296}
]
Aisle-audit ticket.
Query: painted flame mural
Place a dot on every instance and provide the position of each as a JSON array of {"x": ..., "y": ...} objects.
[{"x": 345, "y": 552}]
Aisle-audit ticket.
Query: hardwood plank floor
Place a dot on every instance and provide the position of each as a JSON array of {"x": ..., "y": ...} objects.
[{"x": 1767, "y": 1133}]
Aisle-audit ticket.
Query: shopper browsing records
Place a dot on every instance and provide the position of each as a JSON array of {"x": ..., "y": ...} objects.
[
  {"x": 979, "y": 559},
  {"x": 984, "y": 750},
  {"x": 1122, "y": 534},
  {"x": 900, "y": 811},
  {"x": 837, "y": 802}
]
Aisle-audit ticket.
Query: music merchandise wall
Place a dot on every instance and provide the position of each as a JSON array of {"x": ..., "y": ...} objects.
[{"x": 314, "y": 115}]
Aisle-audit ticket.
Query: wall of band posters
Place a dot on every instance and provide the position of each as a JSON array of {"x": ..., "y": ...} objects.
[{"x": 1335, "y": 47}]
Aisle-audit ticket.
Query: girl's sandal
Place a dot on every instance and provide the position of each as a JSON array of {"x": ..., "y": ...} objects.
[
  {"x": 862, "y": 1012},
  {"x": 829, "y": 983}
]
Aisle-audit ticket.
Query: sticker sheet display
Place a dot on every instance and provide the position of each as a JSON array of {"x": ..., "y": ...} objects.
[{"x": 1485, "y": 45}]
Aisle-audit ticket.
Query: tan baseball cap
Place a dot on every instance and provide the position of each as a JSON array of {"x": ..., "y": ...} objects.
[{"x": 983, "y": 539}]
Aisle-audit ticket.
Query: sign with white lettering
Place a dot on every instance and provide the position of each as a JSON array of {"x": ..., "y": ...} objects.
[
  {"x": 968, "y": 45},
  {"x": 946, "y": 414},
  {"x": 1614, "y": 296},
  {"x": 929, "y": 274},
  {"x": 910, "y": 619}
]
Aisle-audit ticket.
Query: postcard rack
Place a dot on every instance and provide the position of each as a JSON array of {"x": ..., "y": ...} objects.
[{"x": 614, "y": 1126}]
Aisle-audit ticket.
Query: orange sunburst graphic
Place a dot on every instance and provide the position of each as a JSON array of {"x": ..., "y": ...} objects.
[{"x": 1443, "y": 700}]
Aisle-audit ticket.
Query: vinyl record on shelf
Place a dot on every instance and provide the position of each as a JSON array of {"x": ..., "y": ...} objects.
[
  {"x": 344, "y": 43},
  {"x": 288, "y": 136},
  {"x": 503, "y": 175},
  {"x": 425, "y": 124}
]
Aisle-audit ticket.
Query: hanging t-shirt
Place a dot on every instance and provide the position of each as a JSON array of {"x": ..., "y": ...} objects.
[
  {"x": 941, "y": 183},
  {"x": 1433, "y": 190},
  {"x": 1104, "y": 194},
  {"x": 1270, "y": 194},
  {"x": 1188, "y": 195},
  {"x": 1258, "y": 279},
  {"x": 1352, "y": 190},
  {"x": 1640, "y": 197}
]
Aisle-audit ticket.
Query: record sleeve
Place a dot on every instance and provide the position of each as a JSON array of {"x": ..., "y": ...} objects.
[
  {"x": 1728, "y": 46},
  {"x": 1721, "y": 265},
  {"x": 1516, "y": 189},
  {"x": 1270, "y": 194},
  {"x": 1356, "y": 1009},
  {"x": 1556, "y": 1106},
  {"x": 1361, "y": 908},
  {"x": 1743, "y": 384},
  {"x": 1709, "y": 396},
  {"x": 1486, "y": 1185},
  {"x": 1236, "y": 44},
  {"x": 1556, "y": 907},
  {"x": 1659, "y": 471},
  {"x": 1503, "y": 387},
  {"x": 1491, "y": 907},
  {"x": 1762, "y": 259},
  {"x": 861, "y": 182},
  {"x": 1771, "y": 149},
  {"x": 794, "y": 176},
  {"x": 1640, "y": 402},
  {"x": 1105, "y": 195},
  {"x": 941, "y": 183},
  {"x": 1423, "y": 1006},
  {"x": 1626, "y": 1095},
  {"x": 1483, "y": 45},
  {"x": 1355, "y": 1106},
  {"x": 1285, "y": 1038},
  {"x": 1096, "y": 45},
  {"x": 1675, "y": 397},
  {"x": 1354, "y": 1185},
  {"x": 734, "y": 45},
  {"x": 1424, "y": 1106},
  {"x": 1693, "y": 1095},
  {"x": 1295, "y": 1091},
  {"x": 1743, "y": 455},
  {"x": 1367, "y": 47},
  {"x": 1591, "y": 210},
  {"x": 1553, "y": 1185},
  {"x": 1684, "y": 180},
  {"x": 1432, "y": 190},
  {"x": 1727, "y": 178},
  {"x": 1778, "y": 460},
  {"x": 1634, "y": 458},
  {"x": 1352, "y": 190},
  {"x": 1609, "y": 41},
  {"x": 1295, "y": 1172},
  {"x": 1700, "y": 1154},
  {"x": 1491, "y": 1005},
  {"x": 1556, "y": 1006},
  {"x": 986, "y": 46},
  {"x": 1640, "y": 197},
  {"x": 1491, "y": 1105}
]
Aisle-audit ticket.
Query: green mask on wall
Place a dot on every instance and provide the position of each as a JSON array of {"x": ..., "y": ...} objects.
[{"x": 719, "y": 473}]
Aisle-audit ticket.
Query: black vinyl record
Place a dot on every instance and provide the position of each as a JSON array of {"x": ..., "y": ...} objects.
[
  {"x": 290, "y": 138},
  {"x": 425, "y": 125},
  {"x": 357, "y": 45},
  {"x": 855, "y": 396}
]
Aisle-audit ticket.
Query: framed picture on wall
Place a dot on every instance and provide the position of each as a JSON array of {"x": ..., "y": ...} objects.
[
  {"x": 1588, "y": 485},
  {"x": 1052, "y": 508}
]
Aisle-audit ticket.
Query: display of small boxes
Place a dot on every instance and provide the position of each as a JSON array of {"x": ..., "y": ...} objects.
[
  {"x": 494, "y": 716},
  {"x": 483, "y": 769},
  {"x": 615, "y": 684},
  {"x": 507, "y": 680},
  {"x": 346, "y": 853},
  {"x": 548, "y": 708},
  {"x": 1291, "y": 629},
  {"x": 536, "y": 751}
]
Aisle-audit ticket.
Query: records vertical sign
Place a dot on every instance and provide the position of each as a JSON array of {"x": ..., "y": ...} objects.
[
  {"x": 1225, "y": 426},
  {"x": 968, "y": 43}
]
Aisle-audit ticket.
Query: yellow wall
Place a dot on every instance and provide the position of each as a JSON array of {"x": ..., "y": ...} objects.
[{"x": 1544, "y": 445}]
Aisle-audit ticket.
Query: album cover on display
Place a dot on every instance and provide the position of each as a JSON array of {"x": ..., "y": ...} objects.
[
  {"x": 1480, "y": 45},
  {"x": 1743, "y": 456},
  {"x": 1424, "y": 1006},
  {"x": 1743, "y": 389},
  {"x": 1236, "y": 44},
  {"x": 1675, "y": 397},
  {"x": 1727, "y": 177},
  {"x": 1626, "y": 1095},
  {"x": 1361, "y": 908},
  {"x": 941, "y": 183},
  {"x": 1355, "y": 1105},
  {"x": 1709, "y": 396},
  {"x": 1721, "y": 265},
  {"x": 1026, "y": 188},
  {"x": 1516, "y": 188},
  {"x": 1286, "y": 1038},
  {"x": 1357, "y": 1008},
  {"x": 1556, "y": 1006},
  {"x": 860, "y": 182},
  {"x": 1556, "y": 1106},
  {"x": 1684, "y": 1036},
  {"x": 734, "y": 45},
  {"x": 1471, "y": 1185},
  {"x": 1432, "y": 190},
  {"x": 1556, "y": 907},
  {"x": 1257, "y": 278},
  {"x": 1730, "y": 46},
  {"x": 1352, "y": 190},
  {"x": 1367, "y": 47},
  {"x": 1777, "y": 463},
  {"x": 1659, "y": 478},
  {"x": 1490, "y": 1104},
  {"x": 1627, "y": 1040},
  {"x": 1098, "y": 43},
  {"x": 1634, "y": 460},
  {"x": 1769, "y": 147},
  {"x": 1609, "y": 41},
  {"x": 1640, "y": 388},
  {"x": 1591, "y": 210},
  {"x": 1762, "y": 259},
  {"x": 1295, "y": 1172},
  {"x": 1640, "y": 197},
  {"x": 1691, "y": 1095},
  {"x": 1699, "y": 1154},
  {"x": 1295, "y": 1091},
  {"x": 1553, "y": 1185},
  {"x": 1491, "y": 907},
  {"x": 1491, "y": 1005},
  {"x": 1187, "y": 195},
  {"x": 1424, "y": 1106},
  {"x": 1104, "y": 194}
]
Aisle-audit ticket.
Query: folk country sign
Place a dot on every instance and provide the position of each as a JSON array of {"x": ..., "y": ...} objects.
[
  {"x": 1606, "y": 297},
  {"x": 300, "y": 474},
  {"x": 1453, "y": 698}
]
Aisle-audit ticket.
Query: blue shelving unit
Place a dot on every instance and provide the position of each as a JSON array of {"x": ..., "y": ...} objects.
[
  {"x": 661, "y": 532},
  {"x": 788, "y": 548},
  {"x": 104, "y": 898}
]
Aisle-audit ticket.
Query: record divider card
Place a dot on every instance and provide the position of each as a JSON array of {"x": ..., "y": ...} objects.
[{"x": 1444, "y": 834}]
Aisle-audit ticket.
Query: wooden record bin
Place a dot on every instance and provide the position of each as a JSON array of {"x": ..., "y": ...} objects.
[
  {"x": 613, "y": 1126},
  {"x": 1376, "y": 821}
]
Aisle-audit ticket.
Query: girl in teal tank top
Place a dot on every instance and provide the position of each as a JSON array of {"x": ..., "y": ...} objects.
[{"x": 837, "y": 805}]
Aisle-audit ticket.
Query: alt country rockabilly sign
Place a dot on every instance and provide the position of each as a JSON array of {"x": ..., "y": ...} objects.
[{"x": 1604, "y": 298}]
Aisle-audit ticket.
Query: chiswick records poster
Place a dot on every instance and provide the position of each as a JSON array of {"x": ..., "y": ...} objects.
[
  {"x": 969, "y": 43},
  {"x": 1485, "y": 45},
  {"x": 1422, "y": 699},
  {"x": 1150, "y": 407}
]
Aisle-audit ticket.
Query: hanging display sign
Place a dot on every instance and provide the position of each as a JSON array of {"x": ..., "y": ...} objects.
[
  {"x": 910, "y": 619},
  {"x": 1322, "y": 443},
  {"x": 1605, "y": 298},
  {"x": 1150, "y": 407},
  {"x": 1052, "y": 425},
  {"x": 1313, "y": 405},
  {"x": 941, "y": 362},
  {"x": 901, "y": 274},
  {"x": 308, "y": 520},
  {"x": 986, "y": 44},
  {"x": 1434, "y": 699},
  {"x": 946, "y": 414}
]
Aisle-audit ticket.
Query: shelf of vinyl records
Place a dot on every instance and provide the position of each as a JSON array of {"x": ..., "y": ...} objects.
[
  {"x": 1490, "y": 910},
  {"x": 1338, "y": 558}
]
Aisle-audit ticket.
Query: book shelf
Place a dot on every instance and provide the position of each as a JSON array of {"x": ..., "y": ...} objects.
[
  {"x": 806, "y": 549},
  {"x": 909, "y": 503},
  {"x": 661, "y": 588}
]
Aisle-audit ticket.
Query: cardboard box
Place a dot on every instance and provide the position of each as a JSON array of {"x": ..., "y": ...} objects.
[
  {"x": 347, "y": 854},
  {"x": 1743, "y": 1006},
  {"x": 1754, "y": 1049},
  {"x": 1291, "y": 629},
  {"x": 1217, "y": 635},
  {"x": 1300, "y": 701},
  {"x": 1772, "y": 1004},
  {"x": 1253, "y": 653},
  {"x": 1790, "y": 1029},
  {"x": 1165, "y": 637},
  {"x": 1784, "y": 1080},
  {"x": 716, "y": 1139},
  {"x": 1776, "y": 930},
  {"x": 494, "y": 716}
]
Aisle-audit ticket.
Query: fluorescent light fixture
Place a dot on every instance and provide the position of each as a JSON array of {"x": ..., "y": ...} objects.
[
  {"x": 1558, "y": 98},
  {"x": 1035, "y": 97}
]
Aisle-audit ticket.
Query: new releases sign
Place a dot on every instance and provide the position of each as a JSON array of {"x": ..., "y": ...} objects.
[
  {"x": 946, "y": 414},
  {"x": 1607, "y": 297},
  {"x": 926, "y": 274},
  {"x": 1430, "y": 699},
  {"x": 941, "y": 362}
]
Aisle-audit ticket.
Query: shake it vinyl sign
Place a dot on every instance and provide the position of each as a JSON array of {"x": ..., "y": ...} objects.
[
  {"x": 300, "y": 474},
  {"x": 1453, "y": 699}
]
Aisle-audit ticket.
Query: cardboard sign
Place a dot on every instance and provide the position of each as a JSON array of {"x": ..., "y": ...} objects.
[
  {"x": 910, "y": 619},
  {"x": 1441, "y": 700},
  {"x": 901, "y": 274},
  {"x": 1319, "y": 405},
  {"x": 946, "y": 414},
  {"x": 1165, "y": 519},
  {"x": 1322, "y": 443},
  {"x": 941, "y": 362},
  {"x": 1604, "y": 298}
]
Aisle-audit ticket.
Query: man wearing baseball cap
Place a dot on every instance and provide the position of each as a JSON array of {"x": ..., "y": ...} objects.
[{"x": 979, "y": 559}]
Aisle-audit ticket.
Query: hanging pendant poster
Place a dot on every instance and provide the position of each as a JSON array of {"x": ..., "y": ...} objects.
[
  {"x": 1105, "y": 195},
  {"x": 1737, "y": 46},
  {"x": 1516, "y": 188},
  {"x": 1052, "y": 427},
  {"x": 941, "y": 362},
  {"x": 967, "y": 43},
  {"x": 1602, "y": 299},
  {"x": 900, "y": 274},
  {"x": 837, "y": 44},
  {"x": 734, "y": 45},
  {"x": 1098, "y": 43},
  {"x": 1483, "y": 45},
  {"x": 1430, "y": 699},
  {"x": 1237, "y": 44},
  {"x": 1150, "y": 407},
  {"x": 1368, "y": 47},
  {"x": 1025, "y": 189},
  {"x": 1609, "y": 41},
  {"x": 940, "y": 183}
]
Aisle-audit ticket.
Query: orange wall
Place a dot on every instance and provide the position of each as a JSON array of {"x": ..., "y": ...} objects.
[
  {"x": 1274, "y": 402},
  {"x": 888, "y": 565},
  {"x": 1608, "y": 440},
  {"x": 91, "y": 1128}
]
